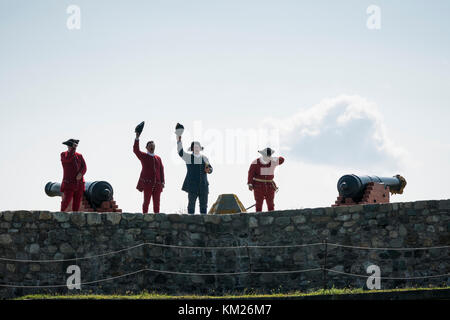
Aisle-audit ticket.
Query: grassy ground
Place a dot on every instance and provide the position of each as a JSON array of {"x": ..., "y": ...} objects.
[{"x": 155, "y": 296}]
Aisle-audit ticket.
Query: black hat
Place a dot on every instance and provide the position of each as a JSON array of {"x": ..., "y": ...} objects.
[
  {"x": 71, "y": 142},
  {"x": 192, "y": 145},
  {"x": 179, "y": 129},
  {"x": 267, "y": 152},
  {"x": 139, "y": 127}
]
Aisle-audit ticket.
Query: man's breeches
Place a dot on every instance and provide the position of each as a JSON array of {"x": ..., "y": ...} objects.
[
  {"x": 69, "y": 195},
  {"x": 149, "y": 192},
  {"x": 267, "y": 192},
  {"x": 203, "y": 198}
]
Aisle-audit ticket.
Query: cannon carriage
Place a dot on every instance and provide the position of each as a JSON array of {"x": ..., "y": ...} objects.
[
  {"x": 354, "y": 189},
  {"x": 98, "y": 196}
]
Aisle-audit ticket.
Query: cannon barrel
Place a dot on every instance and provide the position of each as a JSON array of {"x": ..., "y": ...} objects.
[
  {"x": 352, "y": 186},
  {"x": 95, "y": 192},
  {"x": 53, "y": 189}
]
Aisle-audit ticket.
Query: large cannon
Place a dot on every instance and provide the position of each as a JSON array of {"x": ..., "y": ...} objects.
[
  {"x": 98, "y": 195},
  {"x": 355, "y": 189}
]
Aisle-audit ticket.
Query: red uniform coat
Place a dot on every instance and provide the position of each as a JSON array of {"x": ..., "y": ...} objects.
[
  {"x": 259, "y": 170},
  {"x": 152, "y": 173},
  {"x": 73, "y": 164}
]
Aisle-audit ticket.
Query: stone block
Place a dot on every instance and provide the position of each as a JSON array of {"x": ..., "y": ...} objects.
[
  {"x": 321, "y": 219},
  {"x": 5, "y": 239},
  {"x": 34, "y": 248},
  {"x": 282, "y": 221},
  {"x": 348, "y": 224},
  {"x": 35, "y": 267},
  {"x": 45, "y": 215},
  {"x": 402, "y": 230},
  {"x": 61, "y": 216},
  {"x": 433, "y": 219},
  {"x": 344, "y": 217},
  {"x": 113, "y": 217},
  {"x": 253, "y": 222},
  {"x": 66, "y": 248},
  {"x": 289, "y": 229},
  {"x": 213, "y": 218},
  {"x": 356, "y": 208},
  {"x": 333, "y": 225},
  {"x": 5, "y": 225},
  {"x": 419, "y": 205},
  {"x": 444, "y": 205},
  {"x": 8, "y": 216},
  {"x": 78, "y": 218},
  {"x": 175, "y": 217},
  {"x": 94, "y": 218},
  {"x": 299, "y": 219},
  {"x": 133, "y": 231},
  {"x": 264, "y": 221},
  {"x": 129, "y": 216},
  {"x": 149, "y": 217}
]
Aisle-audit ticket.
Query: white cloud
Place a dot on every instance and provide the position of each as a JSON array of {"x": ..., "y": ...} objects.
[{"x": 345, "y": 132}]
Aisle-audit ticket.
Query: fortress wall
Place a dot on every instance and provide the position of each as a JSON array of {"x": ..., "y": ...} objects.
[{"x": 43, "y": 235}]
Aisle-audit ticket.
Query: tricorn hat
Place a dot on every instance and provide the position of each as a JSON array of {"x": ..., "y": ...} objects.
[
  {"x": 179, "y": 129},
  {"x": 139, "y": 127},
  {"x": 191, "y": 148},
  {"x": 71, "y": 142},
  {"x": 267, "y": 152}
]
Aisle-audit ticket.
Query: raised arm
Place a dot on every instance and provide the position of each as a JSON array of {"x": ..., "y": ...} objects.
[
  {"x": 185, "y": 156},
  {"x": 136, "y": 149},
  {"x": 278, "y": 160}
]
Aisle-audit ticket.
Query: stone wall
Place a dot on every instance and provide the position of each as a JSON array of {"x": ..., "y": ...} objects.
[{"x": 71, "y": 238}]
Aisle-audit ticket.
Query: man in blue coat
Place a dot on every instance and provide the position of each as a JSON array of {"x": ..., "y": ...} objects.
[{"x": 196, "y": 181}]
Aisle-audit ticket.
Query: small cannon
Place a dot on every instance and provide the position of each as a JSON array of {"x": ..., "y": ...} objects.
[
  {"x": 355, "y": 189},
  {"x": 98, "y": 196}
]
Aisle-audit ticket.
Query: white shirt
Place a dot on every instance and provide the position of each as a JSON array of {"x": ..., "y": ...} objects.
[{"x": 187, "y": 156}]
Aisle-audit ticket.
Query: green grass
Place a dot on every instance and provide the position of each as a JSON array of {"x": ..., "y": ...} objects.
[{"x": 155, "y": 296}]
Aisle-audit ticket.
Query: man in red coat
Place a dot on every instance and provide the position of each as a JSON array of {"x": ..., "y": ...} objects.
[
  {"x": 260, "y": 178},
  {"x": 151, "y": 180},
  {"x": 74, "y": 168}
]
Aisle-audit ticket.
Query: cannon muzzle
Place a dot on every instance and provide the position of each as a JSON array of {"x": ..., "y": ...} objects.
[
  {"x": 53, "y": 189},
  {"x": 98, "y": 191},
  {"x": 95, "y": 192},
  {"x": 353, "y": 186}
]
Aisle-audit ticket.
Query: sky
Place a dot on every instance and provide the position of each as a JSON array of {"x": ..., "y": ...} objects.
[{"x": 311, "y": 79}]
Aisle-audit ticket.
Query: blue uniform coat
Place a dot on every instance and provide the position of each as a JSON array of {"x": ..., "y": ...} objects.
[{"x": 196, "y": 180}]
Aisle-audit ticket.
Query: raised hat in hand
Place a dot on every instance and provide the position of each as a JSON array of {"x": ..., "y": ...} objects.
[
  {"x": 179, "y": 129},
  {"x": 139, "y": 127}
]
